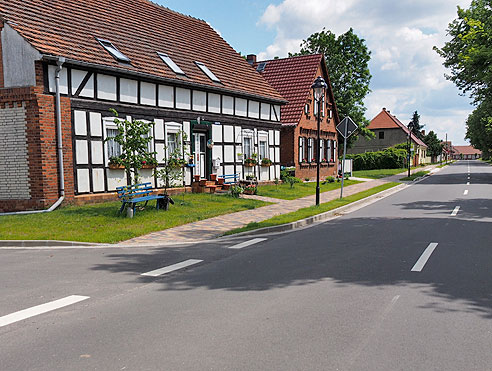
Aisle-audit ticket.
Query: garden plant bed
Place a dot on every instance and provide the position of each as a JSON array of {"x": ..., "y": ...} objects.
[{"x": 101, "y": 223}]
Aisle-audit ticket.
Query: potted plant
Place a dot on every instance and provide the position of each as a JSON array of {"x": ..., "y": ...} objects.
[
  {"x": 213, "y": 177},
  {"x": 239, "y": 156},
  {"x": 266, "y": 162},
  {"x": 196, "y": 177},
  {"x": 251, "y": 190},
  {"x": 251, "y": 161},
  {"x": 116, "y": 162}
]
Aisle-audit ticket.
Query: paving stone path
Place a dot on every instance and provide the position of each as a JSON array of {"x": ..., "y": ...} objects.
[{"x": 216, "y": 226}]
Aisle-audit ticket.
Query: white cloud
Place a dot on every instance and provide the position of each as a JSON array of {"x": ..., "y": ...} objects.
[{"x": 407, "y": 73}]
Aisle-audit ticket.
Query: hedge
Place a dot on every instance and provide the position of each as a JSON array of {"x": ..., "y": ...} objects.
[{"x": 390, "y": 158}]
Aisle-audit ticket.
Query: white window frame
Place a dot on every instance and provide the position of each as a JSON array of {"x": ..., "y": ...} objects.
[
  {"x": 328, "y": 150},
  {"x": 108, "y": 123},
  {"x": 172, "y": 128},
  {"x": 302, "y": 144},
  {"x": 310, "y": 148},
  {"x": 321, "y": 150}
]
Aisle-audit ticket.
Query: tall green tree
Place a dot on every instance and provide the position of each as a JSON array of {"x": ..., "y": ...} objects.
[
  {"x": 479, "y": 128},
  {"x": 417, "y": 126},
  {"x": 434, "y": 145},
  {"x": 347, "y": 60},
  {"x": 469, "y": 52}
]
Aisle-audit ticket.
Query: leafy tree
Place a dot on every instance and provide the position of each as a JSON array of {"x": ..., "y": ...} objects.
[
  {"x": 434, "y": 145},
  {"x": 479, "y": 128},
  {"x": 417, "y": 127},
  {"x": 347, "y": 59},
  {"x": 134, "y": 139}
]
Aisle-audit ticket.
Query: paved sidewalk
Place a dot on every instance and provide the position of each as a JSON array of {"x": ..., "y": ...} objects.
[{"x": 214, "y": 227}]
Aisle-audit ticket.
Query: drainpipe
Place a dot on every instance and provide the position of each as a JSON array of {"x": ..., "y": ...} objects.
[{"x": 61, "y": 174}]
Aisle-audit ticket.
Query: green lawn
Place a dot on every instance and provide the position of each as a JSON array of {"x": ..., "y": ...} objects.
[
  {"x": 299, "y": 190},
  {"x": 312, "y": 210},
  {"x": 379, "y": 173},
  {"x": 101, "y": 222},
  {"x": 415, "y": 175}
]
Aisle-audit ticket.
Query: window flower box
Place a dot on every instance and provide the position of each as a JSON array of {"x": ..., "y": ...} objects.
[
  {"x": 114, "y": 166},
  {"x": 266, "y": 162}
]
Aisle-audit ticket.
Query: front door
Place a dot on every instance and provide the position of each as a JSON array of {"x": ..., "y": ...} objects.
[{"x": 200, "y": 154}]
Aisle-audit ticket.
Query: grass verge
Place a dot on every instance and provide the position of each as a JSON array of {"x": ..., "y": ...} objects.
[
  {"x": 379, "y": 173},
  {"x": 416, "y": 175},
  {"x": 284, "y": 192},
  {"x": 312, "y": 210},
  {"x": 101, "y": 222}
]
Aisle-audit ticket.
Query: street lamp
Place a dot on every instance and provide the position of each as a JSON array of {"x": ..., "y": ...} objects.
[
  {"x": 319, "y": 87},
  {"x": 410, "y": 128}
]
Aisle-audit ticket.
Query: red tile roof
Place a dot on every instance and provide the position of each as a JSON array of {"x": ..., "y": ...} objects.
[
  {"x": 467, "y": 150},
  {"x": 292, "y": 77},
  {"x": 139, "y": 29},
  {"x": 385, "y": 120}
]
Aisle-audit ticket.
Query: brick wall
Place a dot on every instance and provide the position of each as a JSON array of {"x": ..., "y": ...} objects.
[
  {"x": 2, "y": 83},
  {"x": 40, "y": 131}
]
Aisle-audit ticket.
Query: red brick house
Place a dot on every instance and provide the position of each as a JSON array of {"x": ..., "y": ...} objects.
[
  {"x": 293, "y": 77},
  {"x": 144, "y": 60}
]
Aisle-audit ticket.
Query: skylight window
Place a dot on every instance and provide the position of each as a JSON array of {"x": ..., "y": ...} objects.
[
  {"x": 113, "y": 50},
  {"x": 207, "y": 72},
  {"x": 170, "y": 63},
  {"x": 261, "y": 67}
]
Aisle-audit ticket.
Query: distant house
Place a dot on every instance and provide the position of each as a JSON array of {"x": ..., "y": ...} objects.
[
  {"x": 389, "y": 132},
  {"x": 293, "y": 77},
  {"x": 147, "y": 62},
  {"x": 466, "y": 153}
]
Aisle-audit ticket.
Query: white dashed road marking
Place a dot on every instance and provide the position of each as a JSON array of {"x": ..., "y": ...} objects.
[
  {"x": 419, "y": 265},
  {"x": 455, "y": 211},
  {"x": 465, "y": 193},
  {"x": 172, "y": 268},
  {"x": 247, "y": 243},
  {"x": 40, "y": 309}
]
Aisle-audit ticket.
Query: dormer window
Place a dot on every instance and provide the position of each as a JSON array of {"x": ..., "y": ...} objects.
[
  {"x": 113, "y": 50},
  {"x": 170, "y": 63},
  {"x": 261, "y": 67},
  {"x": 207, "y": 72}
]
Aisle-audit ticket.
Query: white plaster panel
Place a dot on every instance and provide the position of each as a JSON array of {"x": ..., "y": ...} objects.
[
  {"x": 265, "y": 111},
  {"x": 229, "y": 169},
  {"x": 213, "y": 103},
  {"x": 239, "y": 149},
  {"x": 77, "y": 78},
  {"x": 227, "y": 105},
  {"x": 161, "y": 153},
  {"x": 271, "y": 138},
  {"x": 228, "y": 133},
  {"x": 277, "y": 170},
  {"x": 217, "y": 133},
  {"x": 254, "y": 109},
  {"x": 187, "y": 129},
  {"x": 277, "y": 137},
  {"x": 276, "y": 109},
  {"x": 116, "y": 178},
  {"x": 277, "y": 154},
  {"x": 272, "y": 172},
  {"x": 63, "y": 80},
  {"x": 146, "y": 175},
  {"x": 95, "y": 123},
  {"x": 98, "y": 180},
  {"x": 219, "y": 170},
  {"x": 166, "y": 96},
  {"x": 241, "y": 107},
  {"x": 188, "y": 176},
  {"x": 183, "y": 98},
  {"x": 147, "y": 93},
  {"x": 83, "y": 180},
  {"x": 238, "y": 134},
  {"x": 80, "y": 122},
  {"x": 106, "y": 87},
  {"x": 199, "y": 101},
  {"x": 272, "y": 154},
  {"x": 97, "y": 152},
  {"x": 128, "y": 91},
  {"x": 159, "y": 129},
  {"x": 229, "y": 153},
  {"x": 265, "y": 172},
  {"x": 81, "y": 152},
  {"x": 217, "y": 153}
]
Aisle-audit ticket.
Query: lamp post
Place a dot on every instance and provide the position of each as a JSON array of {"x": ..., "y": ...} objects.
[
  {"x": 319, "y": 87},
  {"x": 410, "y": 128}
]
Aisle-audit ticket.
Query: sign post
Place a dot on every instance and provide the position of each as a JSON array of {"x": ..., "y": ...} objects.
[{"x": 346, "y": 128}]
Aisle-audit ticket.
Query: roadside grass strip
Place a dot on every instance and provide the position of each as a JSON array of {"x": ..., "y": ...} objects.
[
  {"x": 285, "y": 192},
  {"x": 40, "y": 309},
  {"x": 171, "y": 268},
  {"x": 101, "y": 223},
  {"x": 312, "y": 210},
  {"x": 416, "y": 175},
  {"x": 419, "y": 265},
  {"x": 378, "y": 173}
]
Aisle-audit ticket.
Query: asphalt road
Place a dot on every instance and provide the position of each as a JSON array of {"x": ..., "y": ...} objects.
[{"x": 402, "y": 284}]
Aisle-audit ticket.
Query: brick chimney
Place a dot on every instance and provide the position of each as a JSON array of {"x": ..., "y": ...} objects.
[{"x": 251, "y": 59}]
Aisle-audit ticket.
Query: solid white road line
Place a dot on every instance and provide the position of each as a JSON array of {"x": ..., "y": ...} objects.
[
  {"x": 247, "y": 243},
  {"x": 465, "y": 193},
  {"x": 455, "y": 211},
  {"x": 172, "y": 268},
  {"x": 40, "y": 309},
  {"x": 467, "y": 183},
  {"x": 424, "y": 257}
]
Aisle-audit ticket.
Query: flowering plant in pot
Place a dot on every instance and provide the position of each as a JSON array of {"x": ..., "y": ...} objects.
[
  {"x": 251, "y": 161},
  {"x": 266, "y": 162},
  {"x": 251, "y": 190}
]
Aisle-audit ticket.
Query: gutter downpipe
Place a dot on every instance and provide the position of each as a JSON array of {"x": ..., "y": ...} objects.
[{"x": 59, "y": 63}]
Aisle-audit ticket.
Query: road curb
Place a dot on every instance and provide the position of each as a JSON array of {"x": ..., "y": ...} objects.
[
  {"x": 47, "y": 243},
  {"x": 326, "y": 216}
]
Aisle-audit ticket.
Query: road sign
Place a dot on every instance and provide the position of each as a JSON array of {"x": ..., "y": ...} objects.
[{"x": 347, "y": 127}]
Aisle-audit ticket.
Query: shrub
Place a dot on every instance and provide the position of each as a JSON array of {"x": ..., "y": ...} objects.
[
  {"x": 390, "y": 158},
  {"x": 236, "y": 191},
  {"x": 306, "y": 179},
  {"x": 330, "y": 179},
  {"x": 291, "y": 180}
]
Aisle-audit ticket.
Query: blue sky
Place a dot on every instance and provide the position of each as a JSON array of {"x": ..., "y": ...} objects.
[{"x": 407, "y": 74}]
